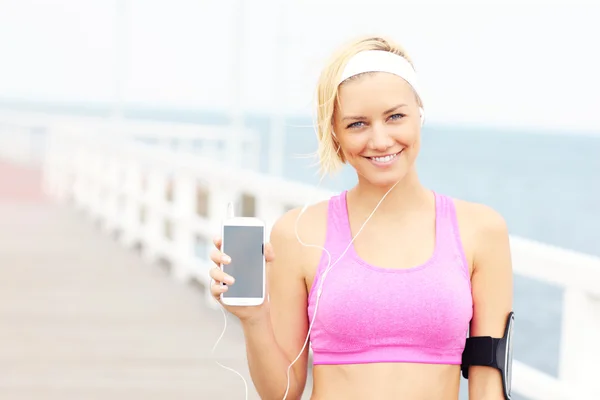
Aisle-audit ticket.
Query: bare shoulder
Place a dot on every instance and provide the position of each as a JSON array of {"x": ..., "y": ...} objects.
[
  {"x": 484, "y": 229},
  {"x": 313, "y": 217},
  {"x": 480, "y": 217},
  {"x": 306, "y": 224},
  {"x": 296, "y": 227}
]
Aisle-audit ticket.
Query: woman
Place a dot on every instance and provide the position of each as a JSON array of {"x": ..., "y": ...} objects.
[{"x": 394, "y": 312}]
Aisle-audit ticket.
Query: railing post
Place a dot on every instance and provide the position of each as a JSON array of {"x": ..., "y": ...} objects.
[
  {"x": 183, "y": 238},
  {"x": 95, "y": 184},
  {"x": 269, "y": 210},
  {"x": 154, "y": 216},
  {"x": 580, "y": 350},
  {"x": 132, "y": 190},
  {"x": 102, "y": 180},
  {"x": 80, "y": 178},
  {"x": 111, "y": 201}
]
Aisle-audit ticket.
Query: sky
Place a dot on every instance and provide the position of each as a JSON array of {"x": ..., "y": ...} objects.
[{"x": 509, "y": 63}]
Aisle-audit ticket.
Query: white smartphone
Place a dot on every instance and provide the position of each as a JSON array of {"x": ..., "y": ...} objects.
[{"x": 243, "y": 239}]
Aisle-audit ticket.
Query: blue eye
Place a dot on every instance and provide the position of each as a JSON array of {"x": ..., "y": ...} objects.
[
  {"x": 354, "y": 125},
  {"x": 397, "y": 116}
]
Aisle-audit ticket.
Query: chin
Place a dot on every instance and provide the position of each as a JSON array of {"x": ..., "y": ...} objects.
[{"x": 382, "y": 179}]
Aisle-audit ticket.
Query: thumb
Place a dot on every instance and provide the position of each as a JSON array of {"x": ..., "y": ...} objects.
[
  {"x": 269, "y": 257},
  {"x": 269, "y": 253}
]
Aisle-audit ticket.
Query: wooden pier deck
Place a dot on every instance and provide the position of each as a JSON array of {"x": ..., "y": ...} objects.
[{"x": 81, "y": 318}]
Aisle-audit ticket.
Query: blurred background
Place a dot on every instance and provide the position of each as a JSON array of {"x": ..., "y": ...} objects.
[{"x": 126, "y": 125}]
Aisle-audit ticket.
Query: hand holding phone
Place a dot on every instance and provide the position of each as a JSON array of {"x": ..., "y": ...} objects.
[{"x": 241, "y": 255}]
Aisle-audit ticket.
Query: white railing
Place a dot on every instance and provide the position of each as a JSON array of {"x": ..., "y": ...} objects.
[
  {"x": 22, "y": 135},
  {"x": 171, "y": 203}
]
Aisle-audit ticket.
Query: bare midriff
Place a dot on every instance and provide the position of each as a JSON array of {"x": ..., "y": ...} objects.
[{"x": 385, "y": 381}]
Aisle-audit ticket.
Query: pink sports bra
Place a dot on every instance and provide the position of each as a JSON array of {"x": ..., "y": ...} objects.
[{"x": 416, "y": 315}]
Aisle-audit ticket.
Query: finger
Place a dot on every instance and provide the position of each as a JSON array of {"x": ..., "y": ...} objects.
[
  {"x": 219, "y": 258},
  {"x": 217, "y": 242},
  {"x": 216, "y": 256},
  {"x": 269, "y": 253},
  {"x": 219, "y": 276},
  {"x": 216, "y": 289}
]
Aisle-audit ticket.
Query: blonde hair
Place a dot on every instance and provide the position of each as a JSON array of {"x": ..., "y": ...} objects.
[{"x": 329, "y": 154}]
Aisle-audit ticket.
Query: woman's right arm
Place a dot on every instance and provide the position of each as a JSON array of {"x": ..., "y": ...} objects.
[{"x": 274, "y": 339}]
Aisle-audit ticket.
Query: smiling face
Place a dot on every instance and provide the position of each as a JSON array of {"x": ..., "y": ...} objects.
[{"x": 377, "y": 125}]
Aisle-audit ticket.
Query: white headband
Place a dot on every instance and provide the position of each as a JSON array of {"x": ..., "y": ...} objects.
[{"x": 383, "y": 61}]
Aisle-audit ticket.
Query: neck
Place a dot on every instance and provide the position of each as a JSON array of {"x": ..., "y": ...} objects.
[{"x": 406, "y": 196}]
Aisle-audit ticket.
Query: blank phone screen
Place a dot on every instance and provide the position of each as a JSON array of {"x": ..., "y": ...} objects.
[{"x": 244, "y": 244}]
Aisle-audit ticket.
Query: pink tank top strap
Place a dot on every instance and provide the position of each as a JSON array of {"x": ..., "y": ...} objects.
[
  {"x": 336, "y": 212},
  {"x": 448, "y": 232}
]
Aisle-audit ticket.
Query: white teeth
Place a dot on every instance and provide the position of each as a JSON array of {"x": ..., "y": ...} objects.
[{"x": 384, "y": 159}]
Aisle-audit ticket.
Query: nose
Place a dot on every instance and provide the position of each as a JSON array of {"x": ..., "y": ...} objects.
[{"x": 380, "y": 139}]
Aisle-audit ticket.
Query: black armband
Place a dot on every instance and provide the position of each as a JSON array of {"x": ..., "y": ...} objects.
[{"x": 492, "y": 352}]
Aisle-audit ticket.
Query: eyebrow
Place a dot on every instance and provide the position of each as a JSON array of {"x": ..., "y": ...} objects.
[{"x": 358, "y": 117}]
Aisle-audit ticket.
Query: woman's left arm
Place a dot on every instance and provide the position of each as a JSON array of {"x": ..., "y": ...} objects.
[{"x": 492, "y": 287}]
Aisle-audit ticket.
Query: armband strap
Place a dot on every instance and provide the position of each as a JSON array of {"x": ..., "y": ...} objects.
[{"x": 479, "y": 350}]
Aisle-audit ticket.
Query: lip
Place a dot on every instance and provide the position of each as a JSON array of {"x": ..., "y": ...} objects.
[{"x": 387, "y": 163}]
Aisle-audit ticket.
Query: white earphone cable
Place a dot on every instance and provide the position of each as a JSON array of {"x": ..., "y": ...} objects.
[
  {"x": 324, "y": 275},
  {"x": 319, "y": 290},
  {"x": 215, "y": 347}
]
